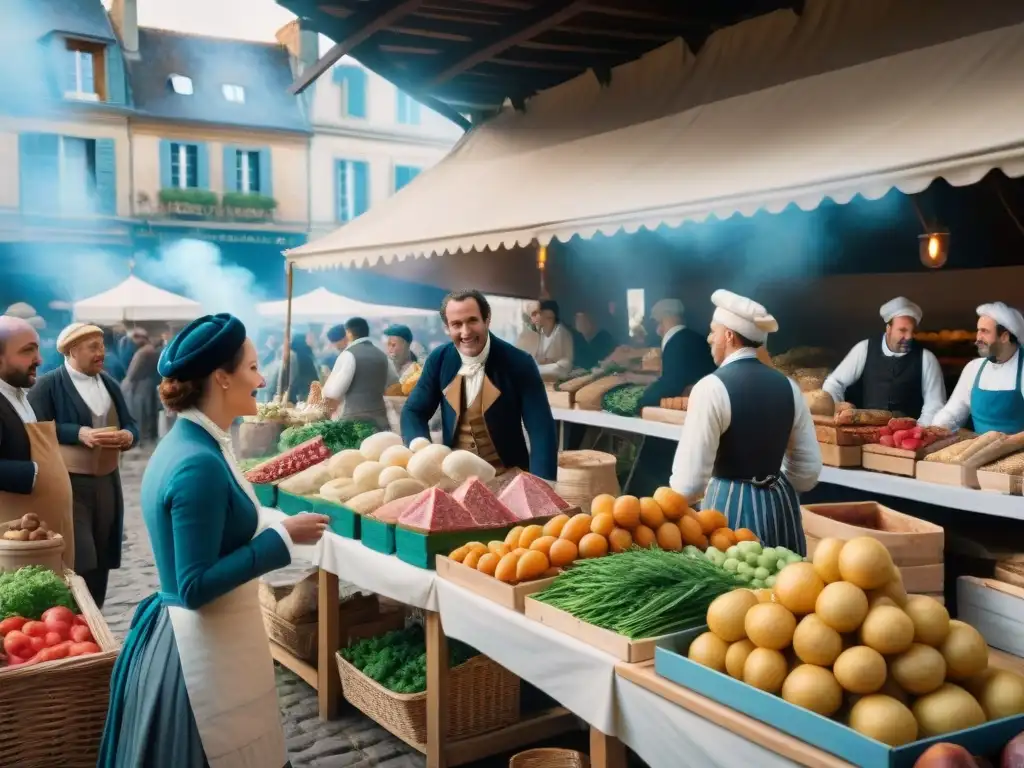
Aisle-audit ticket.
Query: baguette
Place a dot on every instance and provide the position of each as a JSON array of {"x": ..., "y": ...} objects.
[
  {"x": 986, "y": 440},
  {"x": 863, "y": 418},
  {"x": 995, "y": 451},
  {"x": 1010, "y": 465},
  {"x": 951, "y": 454}
]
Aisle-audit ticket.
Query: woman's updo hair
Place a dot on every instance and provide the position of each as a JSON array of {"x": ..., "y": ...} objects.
[{"x": 179, "y": 395}]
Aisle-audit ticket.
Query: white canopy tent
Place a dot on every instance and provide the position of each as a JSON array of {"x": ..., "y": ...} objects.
[
  {"x": 135, "y": 300},
  {"x": 323, "y": 306},
  {"x": 851, "y": 97}
]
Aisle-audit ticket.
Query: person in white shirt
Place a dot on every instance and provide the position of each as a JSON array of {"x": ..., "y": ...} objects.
[
  {"x": 529, "y": 338},
  {"x": 893, "y": 373},
  {"x": 554, "y": 350},
  {"x": 361, "y": 375},
  {"x": 990, "y": 390},
  {"x": 94, "y": 426},
  {"x": 685, "y": 357},
  {"x": 19, "y": 359},
  {"x": 748, "y": 445}
]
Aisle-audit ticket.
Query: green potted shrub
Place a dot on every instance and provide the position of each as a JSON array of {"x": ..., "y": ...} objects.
[
  {"x": 188, "y": 203},
  {"x": 242, "y": 206}
]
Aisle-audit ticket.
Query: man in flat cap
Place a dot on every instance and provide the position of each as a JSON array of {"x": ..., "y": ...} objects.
[
  {"x": 399, "y": 340},
  {"x": 94, "y": 426},
  {"x": 337, "y": 341},
  {"x": 748, "y": 445},
  {"x": 893, "y": 373},
  {"x": 991, "y": 389}
]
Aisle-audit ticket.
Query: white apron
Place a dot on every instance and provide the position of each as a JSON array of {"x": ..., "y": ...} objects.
[{"x": 227, "y": 666}]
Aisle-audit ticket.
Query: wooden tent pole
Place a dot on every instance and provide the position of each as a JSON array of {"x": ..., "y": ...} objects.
[{"x": 282, "y": 384}]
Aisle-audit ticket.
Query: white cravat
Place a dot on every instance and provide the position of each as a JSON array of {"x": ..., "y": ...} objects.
[
  {"x": 19, "y": 401},
  {"x": 472, "y": 371},
  {"x": 92, "y": 390}
]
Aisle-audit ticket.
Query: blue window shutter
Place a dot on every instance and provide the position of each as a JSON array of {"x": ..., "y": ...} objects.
[
  {"x": 414, "y": 111},
  {"x": 401, "y": 111},
  {"x": 356, "y": 92},
  {"x": 266, "y": 173},
  {"x": 203, "y": 169},
  {"x": 230, "y": 168},
  {"x": 360, "y": 187},
  {"x": 165, "y": 164},
  {"x": 116, "y": 83},
  {"x": 39, "y": 171},
  {"x": 404, "y": 174},
  {"x": 106, "y": 177},
  {"x": 63, "y": 65},
  {"x": 339, "y": 191}
]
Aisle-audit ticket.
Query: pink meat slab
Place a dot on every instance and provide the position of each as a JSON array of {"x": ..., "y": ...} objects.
[
  {"x": 434, "y": 510},
  {"x": 528, "y": 497},
  {"x": 483, "y": 505},
  {"x": 393, "y": 510}
]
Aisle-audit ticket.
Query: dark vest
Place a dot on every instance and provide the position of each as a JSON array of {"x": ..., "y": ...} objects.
[
  {"x": 14, "y": 444},
  {"x": 763, "y": 408},
  {"x": 892, "y": 383}
]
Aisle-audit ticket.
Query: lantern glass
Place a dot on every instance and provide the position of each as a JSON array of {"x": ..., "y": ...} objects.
[{"x": 933, "y": 249}]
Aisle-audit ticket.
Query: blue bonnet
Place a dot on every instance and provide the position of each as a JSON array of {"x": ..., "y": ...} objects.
[{"x": 201, "y": 347}]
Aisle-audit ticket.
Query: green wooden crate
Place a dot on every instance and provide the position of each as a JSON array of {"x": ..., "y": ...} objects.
[
  {"x": 378, "y": 536},
  {"x": 266, "y": 493},
  {"x": 421, "y": 549},
  {"x": 291, "y": 504},
  {"x": 344, "y": 521}
]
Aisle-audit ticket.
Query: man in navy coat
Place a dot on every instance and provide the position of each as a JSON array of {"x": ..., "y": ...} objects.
[{"x": 488, "y": 392}]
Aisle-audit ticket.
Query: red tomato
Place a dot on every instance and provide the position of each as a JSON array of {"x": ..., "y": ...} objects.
[
  {"x": 56, "y": 652},
  {"x": 83, "y": 649},
  {"x": 37, "y": 643},
  {"x": 35, "y": 629},
  {"x": 62, "y": 628},
  {"x": 81, "y": 634},
  {"x": 52, "y": 639},
  {"x": 17, "y": 643},
  {"x": 80, "y": 620},
  {"x": 11, "y": 623},
  {"x": 59, "y": 613}
]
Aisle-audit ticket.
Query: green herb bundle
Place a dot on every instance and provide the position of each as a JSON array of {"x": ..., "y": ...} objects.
[
  {"x": 639, "y": 593},
  {"x": 623, "y": 400},
  {"x": 338, "y": 435},
  {"x": 398, "y": 660},
  {"x": 29, "y": 591}
]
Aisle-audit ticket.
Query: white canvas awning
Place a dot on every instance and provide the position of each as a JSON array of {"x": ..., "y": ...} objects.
[
  {"x": 322, "y": 306},
  {"x": 851, "y": 97},
  {"x": 135, "y": 300}
]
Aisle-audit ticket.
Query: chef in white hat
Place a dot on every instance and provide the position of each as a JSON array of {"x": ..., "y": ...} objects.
[
  {"x": 893, "y": 373},
  {"x": 748, "y": 444},
  {"x": 991, "y": 389}
]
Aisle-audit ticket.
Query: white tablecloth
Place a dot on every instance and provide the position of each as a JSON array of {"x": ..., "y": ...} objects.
[
  {"x": 371, "y": 571},
  {"x": 302, "y": 555},
  {"x": 577, "y": 676}
]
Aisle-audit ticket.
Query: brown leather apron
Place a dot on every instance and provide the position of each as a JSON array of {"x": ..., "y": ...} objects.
[{"x": 51, "y": 496}]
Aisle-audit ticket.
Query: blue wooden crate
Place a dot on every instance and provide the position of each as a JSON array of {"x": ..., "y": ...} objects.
[
  {"x": 344, "y": 521},
  {"x": 378, "y": 536},
  {"x": 291, "y": 504},
  {"x": 829, "y": 735},
  {"x": 266, "y": 493}
]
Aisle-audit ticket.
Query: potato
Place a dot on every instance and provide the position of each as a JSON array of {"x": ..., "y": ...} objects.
[
  {"x": 366, "y": 502},
  {"x": 389, "y": 474},
  {"x": 400, "y": 489}
]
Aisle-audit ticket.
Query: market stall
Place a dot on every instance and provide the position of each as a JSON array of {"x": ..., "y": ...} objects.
[
  {"x": 323, "y": 306},
  {"x": 135, "y": 301}
]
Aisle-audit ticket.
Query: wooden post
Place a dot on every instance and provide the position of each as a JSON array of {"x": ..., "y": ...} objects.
[
  {"x": 286, "y": 346},
  {"x": 328, "y": 639},
  {"x": 606, "y": 751},
  {"x": 437, "y": 691}
]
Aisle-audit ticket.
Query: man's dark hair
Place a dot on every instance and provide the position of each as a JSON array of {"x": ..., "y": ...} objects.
[
  {"x": 358, "y": 327},
  {"x": 1001, "y": 329},
  {"x": 477, "y": 296},
  {"x": 744, "y": 341},
  {"x": 552, "y": 306}
]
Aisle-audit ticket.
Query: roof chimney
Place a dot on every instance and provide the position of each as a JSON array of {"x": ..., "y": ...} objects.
[
  {"x": 124, "y": 14},
  {"x": 302, "y": 44}
]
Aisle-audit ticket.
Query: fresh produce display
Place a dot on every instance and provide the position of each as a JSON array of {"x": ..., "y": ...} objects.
[
  {"x": 840, "y": 636},
  {"x": 29, "y": 591},
  {"x": 29, "y": 528},
  {"x": 753, "y": 565},
  {"x": 398, "y": 660},
  {"x": 462, "y": 465},
  {"x": 337, "y": 435},
  {"x": 624, "y": 400},
  {"x": 640, "y": 593},
  {"x": 529, "y": 496},
  {"x": 984, "y": 450},
  {"x": 410, "y": 378},
  {"x": 58, "y": 634},
  {"x": 434, "y": 510},
  {"x": 481, "y": 502},
  {"x": 275, "y": 410},
  {"x": 302, "y": 456},
  {"x": 306, "y": 482},
  {"x": 906, "y": 434}
]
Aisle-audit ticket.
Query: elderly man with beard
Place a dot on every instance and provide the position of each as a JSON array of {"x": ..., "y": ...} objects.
[
  {"x": 93, "y": 427},
  {"x": 488, "y": 391},
  {"x": 990, "y": 390},
  {"x": 33, "y": 478}
]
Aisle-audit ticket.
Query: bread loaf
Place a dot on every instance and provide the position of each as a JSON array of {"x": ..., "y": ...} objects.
[
  {"x": 984, "y": 441},
  {"x": 951, "y": 454},
  {"x": 820, "y": 403},
  {"x": 863, "y": 418},
  {"x": 995, "y": 450},
  {"x": 1010, "y": 465}
]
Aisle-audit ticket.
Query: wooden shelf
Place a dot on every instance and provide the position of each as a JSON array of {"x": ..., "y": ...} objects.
[{"x": 289, "y": 660}]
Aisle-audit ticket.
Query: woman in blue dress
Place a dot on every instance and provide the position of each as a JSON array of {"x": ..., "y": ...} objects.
[{"x": 194, "y": 684}]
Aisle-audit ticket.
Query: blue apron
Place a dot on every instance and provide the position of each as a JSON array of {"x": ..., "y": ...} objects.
[
  {"x": 998, "y": 410},
  {"x": 770, "y": 510}
]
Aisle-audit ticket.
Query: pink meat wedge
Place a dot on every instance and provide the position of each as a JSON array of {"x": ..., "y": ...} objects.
[
  {"x": 483, "y": 505},
  {"x": 433, "y": 511},
  {"x": 393, "y": 510},
  {"x": 528, "y": 496}
]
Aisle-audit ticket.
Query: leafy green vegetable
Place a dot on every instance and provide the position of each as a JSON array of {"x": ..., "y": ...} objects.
[
  {"x": 640, "y": 593},
  {"x": 338, "y": 435},
  {"x": 623, "y": 400},
  {"x": 29, "y": 591},
  {"x": 398, "y": 660}
]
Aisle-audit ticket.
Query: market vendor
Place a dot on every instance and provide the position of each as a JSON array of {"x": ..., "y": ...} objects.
[
  {"x": 748, "y": 445},
  {"x": 685, "y": 357},
  {"x": 93, "y": 427},
  {"x": 361, "y": 375},
  {"x": 894, "y": 374},
  {"x": 32, "y": 474},
  {"x": 554, "y": 349},
  {"x": 399, "y": 339},
  {"x": 991, "y": 389},
  {"x": 488, "y": 392}
]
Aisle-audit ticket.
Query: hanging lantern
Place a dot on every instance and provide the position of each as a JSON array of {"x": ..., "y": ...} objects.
[{"x": 933, "y": 249}]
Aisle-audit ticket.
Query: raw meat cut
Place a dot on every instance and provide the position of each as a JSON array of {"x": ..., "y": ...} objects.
[
  {"x": 483, "y": 505},
  {"x": 528, "y": 496},
  {"x": 393, "y": 510},
  {"x": 302, "y": 456},
  {"x": 434, "y": 510}
]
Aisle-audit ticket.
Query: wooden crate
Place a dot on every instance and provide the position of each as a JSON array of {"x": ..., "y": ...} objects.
[
  {"x": 1000, "y": 482},
  {"x": 663, "y": 415},
  {"x": 511, "y": 596},
  {"x": 619, "y": 646},
  {"x": 892, "y": 461},
  {"x": 927, "y": 579},
  {"x": 561, "y": 399},
  {"x": 994, "y": 608},
  {"x": 941, "y": 473},
  {"x": 833, "y": 455},
  {"x": 909, "y": 540}
]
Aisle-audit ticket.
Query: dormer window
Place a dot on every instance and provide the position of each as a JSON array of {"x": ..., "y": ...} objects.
[
  {"x": 181, "y": 84},
  {"x": 235, "y": 93},
  {"x": 83, "y": 77}
]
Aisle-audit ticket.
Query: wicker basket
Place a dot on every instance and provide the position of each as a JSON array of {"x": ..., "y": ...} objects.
[
  {"x": 582, "y": 475},
  {"x": 297, "y": 637},
  {"x": 482, "y": 696},
  {"x": 53, "y": 713},
  {"x": 549, "y": 758}
]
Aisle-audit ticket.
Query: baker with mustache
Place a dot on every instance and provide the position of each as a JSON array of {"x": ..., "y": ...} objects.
[
  {"x": 94, "y": 426},
  {"x": 991, "y": 389},
  {"x": 33, "y": 478}
]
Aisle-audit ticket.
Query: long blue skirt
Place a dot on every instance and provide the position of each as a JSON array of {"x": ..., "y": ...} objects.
[{"x": 772, "y": 513}]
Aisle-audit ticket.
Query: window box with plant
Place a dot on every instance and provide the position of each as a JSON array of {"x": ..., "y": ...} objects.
[
  {"x": 188, "y": 203},
  {"x": 248, "y": 206}
]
